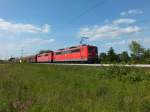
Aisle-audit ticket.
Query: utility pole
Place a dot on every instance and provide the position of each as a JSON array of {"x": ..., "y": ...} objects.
[{"x": 22, "y": 51}]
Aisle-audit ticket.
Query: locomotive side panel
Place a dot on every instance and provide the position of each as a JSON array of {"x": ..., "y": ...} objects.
[
  {"x": 68, "y": 55},
  {"x": 45, "y": 57},
  {"x": 82, "y": 53}
]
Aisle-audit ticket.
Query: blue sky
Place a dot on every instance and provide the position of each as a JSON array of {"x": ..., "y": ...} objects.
[{"x": 33, "y": 25}]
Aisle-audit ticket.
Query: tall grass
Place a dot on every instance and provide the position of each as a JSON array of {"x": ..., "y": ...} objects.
[{"x": 51, "y": 88}]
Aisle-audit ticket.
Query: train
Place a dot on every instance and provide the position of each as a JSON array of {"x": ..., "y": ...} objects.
[{"x": 74, "y": 54}]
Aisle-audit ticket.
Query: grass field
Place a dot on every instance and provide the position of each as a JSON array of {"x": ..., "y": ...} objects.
[{"x": 51, "y": 88}]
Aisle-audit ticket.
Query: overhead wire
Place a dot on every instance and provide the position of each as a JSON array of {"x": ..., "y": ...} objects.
[
  {"x": 100, "y": 3},
  {"x": 96, "y": 5}
]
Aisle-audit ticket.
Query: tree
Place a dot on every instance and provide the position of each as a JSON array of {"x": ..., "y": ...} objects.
[
  {"x": 137, "y": 51},
  {"x": 146, "y": 56},
  {"x": 103, "y": 57},
  {"x": 111, "y": 55},
  {"x": 124, "y": 57}
]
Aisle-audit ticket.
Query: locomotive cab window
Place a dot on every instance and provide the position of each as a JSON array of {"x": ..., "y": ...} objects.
[
  {"x": 75, "y": 51},
  {"x": 92, "y": 49}
]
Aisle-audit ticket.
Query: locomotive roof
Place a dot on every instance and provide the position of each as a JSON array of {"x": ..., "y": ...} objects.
[
  {"x": 73, "y": 47},
  {"x": 45, "y": 53},
  {"x": 59, "y": 50}
]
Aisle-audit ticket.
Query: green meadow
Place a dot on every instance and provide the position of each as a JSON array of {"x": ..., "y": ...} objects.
[{"x": 54, "y": 88}]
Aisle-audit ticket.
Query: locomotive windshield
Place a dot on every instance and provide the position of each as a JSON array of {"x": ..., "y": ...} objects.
[{"x": 93, "y": 50}]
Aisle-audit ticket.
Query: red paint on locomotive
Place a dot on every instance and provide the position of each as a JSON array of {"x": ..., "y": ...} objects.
[
  {"x": 83, "y": 53},
  {"x": 45, "y": 57}
]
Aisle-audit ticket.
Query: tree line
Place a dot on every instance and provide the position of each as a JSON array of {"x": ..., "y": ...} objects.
[{"x": 138, "y": 54}]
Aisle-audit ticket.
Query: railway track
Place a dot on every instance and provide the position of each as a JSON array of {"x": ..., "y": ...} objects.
[{"x": 106, "y": 65}]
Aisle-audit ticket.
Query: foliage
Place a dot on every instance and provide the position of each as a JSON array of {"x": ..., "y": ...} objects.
[
  {"x": 3, "y": 61},
  {"x": 52, "y": 88},
  {"x": 124, "y": 57},
  {"x": 103, "y": 57},
  {"x": 146, "y": 56},
  {"x": 111, "y": 55},
  {"x": 136, "y": 49},
  {"x": 138, "y": 55}
]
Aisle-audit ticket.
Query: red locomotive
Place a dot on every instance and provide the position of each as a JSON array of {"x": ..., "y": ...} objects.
[{"x": 82, "y": 53}]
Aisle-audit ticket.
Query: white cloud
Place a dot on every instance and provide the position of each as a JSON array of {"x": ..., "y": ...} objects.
[
  {"x": 123, "y": 13},
  {"x": 11, "y": 43},
  {"x": 144, "y": 41},
  {"x": 132, "y": 12},
  {"x": 22, "y": 28},
  {"x": 135, "y": 11},
  {"x": 115, "y": 29},
  {"x": 122, "y": 42},
  {"x": 46, "y": 28},
  {"x": 124, "y": 21},
  {"x": 14, "y": 36},
  {"x": 30, "y": 42},
  {"x": 37, "y": 41},
  {"x": 147, "y": 40},
  {"x": 14, "y": 49}
]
